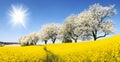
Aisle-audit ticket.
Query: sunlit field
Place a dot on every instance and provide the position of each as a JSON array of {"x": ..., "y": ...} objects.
[{"x": 104, "y": 50}]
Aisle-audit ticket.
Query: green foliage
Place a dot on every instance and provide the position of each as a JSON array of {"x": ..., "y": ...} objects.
[{"x": 67, "y": 40}]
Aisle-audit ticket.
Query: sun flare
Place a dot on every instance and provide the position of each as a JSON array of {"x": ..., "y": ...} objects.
[{"x": 18, "y": 15}]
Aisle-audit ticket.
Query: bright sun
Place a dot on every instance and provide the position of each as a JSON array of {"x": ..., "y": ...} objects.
[{"x": 18, "y": 15}]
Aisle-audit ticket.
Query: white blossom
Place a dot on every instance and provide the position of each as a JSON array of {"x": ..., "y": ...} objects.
[
  {"x": 49, "y": 31},
  {"x": 93, "y": 20}
]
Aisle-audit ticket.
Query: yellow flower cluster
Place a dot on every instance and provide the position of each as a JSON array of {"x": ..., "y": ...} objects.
[
  {"x": 104, "y": 50},
  {"x": 22, "y": 54}
]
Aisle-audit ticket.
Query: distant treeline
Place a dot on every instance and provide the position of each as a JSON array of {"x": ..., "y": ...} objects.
[{"x": 8, "y": 43}]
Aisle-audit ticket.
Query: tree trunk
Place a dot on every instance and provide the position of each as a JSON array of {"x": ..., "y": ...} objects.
[
  {"x": 94, "y": 36},
  {"x": 45, "y": 41},
  {"x": 75, "y": 40},
  {"x": 66, "y": 40},
  {"x": 95, "y": 39},
  {"x": 35, "y": 43},
  {"x": 53, "y": 40}
]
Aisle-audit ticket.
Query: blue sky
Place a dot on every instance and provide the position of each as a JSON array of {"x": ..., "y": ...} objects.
[{"x": 46, "y": 11}]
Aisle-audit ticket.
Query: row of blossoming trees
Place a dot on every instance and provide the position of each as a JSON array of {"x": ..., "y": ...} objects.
[{"x": 92, "y": 23}]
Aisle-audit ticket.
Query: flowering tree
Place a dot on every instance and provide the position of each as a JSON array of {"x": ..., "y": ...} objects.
[
  {"x": 93, "y": 23},
  {"x": 63, "y": 34},
  {"x": 70, "y": 30},
  {"x": 49, "y": 31},
  {"x": 29, "y": 40},
  {"x": 43, "y": 36},
  {"x": 25, "y": 40},
  {"x": 34, "y": 37},
  {"x": 95, "y": 20}
]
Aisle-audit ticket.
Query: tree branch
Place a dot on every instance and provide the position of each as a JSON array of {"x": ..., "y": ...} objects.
[{"x": 102, "y": 35}]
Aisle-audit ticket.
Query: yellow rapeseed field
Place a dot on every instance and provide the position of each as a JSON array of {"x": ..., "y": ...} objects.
[{"x": 104, "y": 50}]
